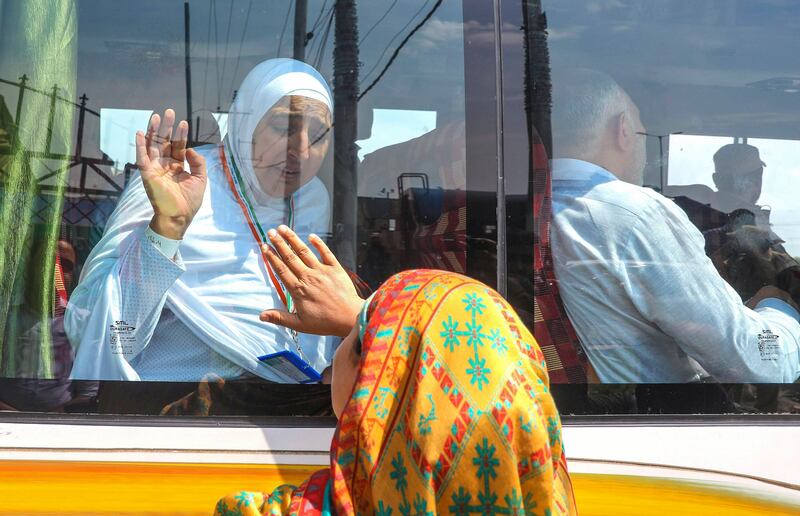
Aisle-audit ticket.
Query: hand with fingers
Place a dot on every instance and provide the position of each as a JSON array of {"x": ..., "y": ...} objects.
[
  {"x": 325, "y": 300},
  {"x": 174, "y": 193}
]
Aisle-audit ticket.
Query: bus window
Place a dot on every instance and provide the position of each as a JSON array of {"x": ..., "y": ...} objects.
[
  {"x": 667, "y": 134},
  {"x": 146, "y": 153}
]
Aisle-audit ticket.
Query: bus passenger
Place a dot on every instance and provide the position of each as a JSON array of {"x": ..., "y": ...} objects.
[
  {"x": 645, "y": 300},
  {"x": 738, "y": 234},
  {"x": 174, "y": 288},
  {"x": 443, "y": 405}
]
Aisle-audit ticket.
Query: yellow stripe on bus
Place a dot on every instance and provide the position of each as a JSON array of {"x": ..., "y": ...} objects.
[{"x": 102, "y": 488}]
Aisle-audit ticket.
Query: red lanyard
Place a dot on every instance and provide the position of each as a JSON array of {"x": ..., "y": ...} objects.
[{"x": 236, "y": 184}]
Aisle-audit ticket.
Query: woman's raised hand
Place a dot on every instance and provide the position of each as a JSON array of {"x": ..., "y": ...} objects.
[
  {"x": 325, "y": 300},
  {"x": 174, "y": 193}
]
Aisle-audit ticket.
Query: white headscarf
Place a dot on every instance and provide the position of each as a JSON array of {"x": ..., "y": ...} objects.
[
  {"x": 225, "y": 285},
  {"x": 263, "y": 87}
]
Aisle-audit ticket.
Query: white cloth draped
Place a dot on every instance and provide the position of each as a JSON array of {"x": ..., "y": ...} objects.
[
  {"x": 220, "y": 280},
  {"x": 265, "y": 85}
]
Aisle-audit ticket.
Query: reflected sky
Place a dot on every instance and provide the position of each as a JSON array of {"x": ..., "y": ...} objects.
[
  {"x": 131, "y": 60},
  {"x": 229, "y": 37},
  {"x": 117, "y": 133},
  {"x": 714, "y": 70},
  {"x": 391, "y": 126},
  {"x": 692, "y": 66}
]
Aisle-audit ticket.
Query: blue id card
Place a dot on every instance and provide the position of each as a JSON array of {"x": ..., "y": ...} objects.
[{"x": 289, "y": 365}]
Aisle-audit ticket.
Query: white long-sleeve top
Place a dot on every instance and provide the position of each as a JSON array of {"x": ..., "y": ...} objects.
[{"x": 139, "y": 315}]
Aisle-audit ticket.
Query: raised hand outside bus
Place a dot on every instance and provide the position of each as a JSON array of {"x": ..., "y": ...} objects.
[{"x": 325, "y": 299}]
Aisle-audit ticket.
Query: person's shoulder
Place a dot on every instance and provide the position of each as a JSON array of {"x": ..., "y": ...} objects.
[
  {"x": 630, "y": 200},
  {"x": 599, "y": 190},
  {"x": 630, "y": 211},
  {"x": 653, "y": 219}
]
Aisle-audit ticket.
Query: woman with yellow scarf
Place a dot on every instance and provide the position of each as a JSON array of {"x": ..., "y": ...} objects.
[{"x": 443, "y": 404}]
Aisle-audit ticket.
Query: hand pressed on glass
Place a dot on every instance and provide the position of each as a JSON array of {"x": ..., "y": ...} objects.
[
  {"x": 174, "y": 193},
  {"x": 325, "y": 300}
]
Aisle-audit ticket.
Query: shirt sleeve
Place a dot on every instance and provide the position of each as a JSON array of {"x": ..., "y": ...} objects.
[
  {"x": 133, "y": 291},
  {"x": 146, "y": 274},
  {"x": 671, "y": 281}
]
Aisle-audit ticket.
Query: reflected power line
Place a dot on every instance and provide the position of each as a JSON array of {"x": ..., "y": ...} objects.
[{"x": 400, "y": 47}]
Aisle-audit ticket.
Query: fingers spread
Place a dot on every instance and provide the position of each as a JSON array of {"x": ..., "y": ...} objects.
[
  {"x": 327, "y": 256},
  {"x": 298, "y": 246},
  {"x": 280, "y": 268},
  {"x": 287, "y": 255}
]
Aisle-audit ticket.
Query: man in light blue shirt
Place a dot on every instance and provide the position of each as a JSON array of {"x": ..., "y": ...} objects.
[{"x": 645, "y": 300}]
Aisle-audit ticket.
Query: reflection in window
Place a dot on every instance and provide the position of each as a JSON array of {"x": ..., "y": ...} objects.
[
  {"x": 707, "y": 79},
  {"x": 410, "y": 88},
  {"x": 691, "y": 163},
  {"x": 390, "y": 126},
  {"x": 117, "y": 130}
]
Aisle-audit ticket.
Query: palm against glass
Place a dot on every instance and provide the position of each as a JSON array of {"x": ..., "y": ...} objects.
[{"x": 175, "y": 193}]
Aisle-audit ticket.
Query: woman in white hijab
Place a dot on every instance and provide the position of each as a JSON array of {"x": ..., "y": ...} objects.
[{"x": 174, "y": 289}]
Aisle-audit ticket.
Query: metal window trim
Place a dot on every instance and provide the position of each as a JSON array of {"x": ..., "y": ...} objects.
[
  {"x": 502, "y": 244},
  {"x": 643, "y": 420}
]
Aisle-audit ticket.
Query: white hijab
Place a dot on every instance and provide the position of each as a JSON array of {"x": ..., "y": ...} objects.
[
  {"x": 225, "y": 285},
  {"x": 263, "y": 87}
]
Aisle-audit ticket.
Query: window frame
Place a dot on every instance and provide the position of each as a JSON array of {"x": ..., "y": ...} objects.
[
  {"x": 516, "y": 149},
  {"x": 487, "y": 108}
]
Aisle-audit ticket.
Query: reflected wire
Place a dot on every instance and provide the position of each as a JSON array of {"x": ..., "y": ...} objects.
[
  {"x": 378, "y": 23},
  {"x": 283, "y": 30},
  {"x": 378, "y": 61},
  {"x": 208, "y": 57},
  {"x": 216, "y": 51},
  {"x": 241, "y": 44},
  {"x": 319, "y": 16},
  {"x": 227, "y": 41},
  {"x": 324, "y": 43},
  {"x": 319, "y": 41},
  {"x": 400, "y": 47}
]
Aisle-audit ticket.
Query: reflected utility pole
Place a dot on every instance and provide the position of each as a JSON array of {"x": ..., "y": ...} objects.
[
  {"x": 538, "y": 85},
  {"x": 188, "y": 64},
  {"x": 538, "y": 98},
  {"x": 300, "y": 29},
  {"x": 345, "y": 115}
]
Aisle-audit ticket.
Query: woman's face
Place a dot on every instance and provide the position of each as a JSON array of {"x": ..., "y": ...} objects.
[
  {"x": 289, "y": 144},
  {"x": 345, "y": 367}
]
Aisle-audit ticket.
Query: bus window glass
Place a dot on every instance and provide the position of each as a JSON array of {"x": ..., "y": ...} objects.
[
  {"x": 146, "y": 148},
  {"x": 667, "y": 279}
]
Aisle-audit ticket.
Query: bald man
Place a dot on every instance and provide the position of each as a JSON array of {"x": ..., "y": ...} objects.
[{"x": 644, "y": 298}]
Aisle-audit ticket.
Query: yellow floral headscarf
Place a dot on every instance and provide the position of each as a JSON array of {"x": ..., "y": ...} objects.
[
  {"x": 451, "y": 411},
  {"x": 450, "y": 414}
]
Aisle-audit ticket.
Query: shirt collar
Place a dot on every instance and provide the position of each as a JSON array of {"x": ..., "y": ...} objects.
[{"x": 567, "y": 169}]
